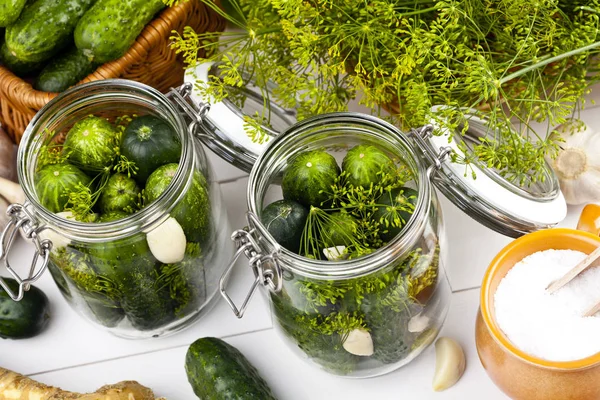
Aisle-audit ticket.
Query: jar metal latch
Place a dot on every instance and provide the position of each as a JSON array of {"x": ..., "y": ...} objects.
[
  {"x": 267, "y": 271},
  {"x": 435, "y": 157},
  {"x": 194, "y": 109},
  {"x": 20, "y": 219}
]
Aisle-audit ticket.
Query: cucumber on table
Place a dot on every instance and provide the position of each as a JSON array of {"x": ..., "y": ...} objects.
[
  {"x": 10, "y": 11},
  {"x": 64, "y": 71},
  {"x": 218, "y": 371},
  {"x": 44, "y": 28},
  {"x": 110, "y": 27},
  {"x": 22, "y": 319},
  {"x": 16, "y": 66}
]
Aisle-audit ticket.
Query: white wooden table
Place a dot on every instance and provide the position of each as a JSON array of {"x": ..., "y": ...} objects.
[{"x": 76, "y": 356}]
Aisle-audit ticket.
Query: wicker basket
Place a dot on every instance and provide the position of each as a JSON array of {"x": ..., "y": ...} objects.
[{"x": 149, "y": 60}]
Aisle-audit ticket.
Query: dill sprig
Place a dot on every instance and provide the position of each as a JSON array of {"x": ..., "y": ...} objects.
[{"x": 514, "y": 62}]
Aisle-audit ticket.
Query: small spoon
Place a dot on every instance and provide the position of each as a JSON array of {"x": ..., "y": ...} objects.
[
  {"x": 571, "y": 274},
  {"x": 592, "y": 311}
]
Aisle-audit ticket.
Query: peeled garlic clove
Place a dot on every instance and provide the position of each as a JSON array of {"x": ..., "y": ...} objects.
[
  {"x": 167, "y": 242},
  {"x": 359, "y": 342},
  {"x": 418, "y": 323},
  {"x": 450, "y": 363},
  {"x": 336, "y": 253}
]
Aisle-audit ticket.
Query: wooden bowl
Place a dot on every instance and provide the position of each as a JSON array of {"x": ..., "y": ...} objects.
[{"x": 520, "y": 375}]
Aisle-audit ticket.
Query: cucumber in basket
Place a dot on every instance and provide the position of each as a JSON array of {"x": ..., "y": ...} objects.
[
  {"x": 16, "y": 66},
  {"x": 64, "y": 71},
  {"x": 109, "y": 28},
  {"x": 44, "y": 28},
  {"x": 10, "y": 11}
]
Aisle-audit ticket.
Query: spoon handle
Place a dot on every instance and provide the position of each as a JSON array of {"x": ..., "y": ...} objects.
[{"x": 578, "y": 269}]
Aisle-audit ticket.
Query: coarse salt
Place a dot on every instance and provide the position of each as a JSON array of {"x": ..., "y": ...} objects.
[{"x": 550, "y": 326}]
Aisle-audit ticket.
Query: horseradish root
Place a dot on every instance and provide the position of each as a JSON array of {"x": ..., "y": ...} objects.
[
  {"x": 14, "y": 386},
  {"x": 450, "y": 363}
]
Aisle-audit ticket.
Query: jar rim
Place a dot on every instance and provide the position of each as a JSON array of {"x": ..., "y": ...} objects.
[
  {"x": 154, "y": 213},
  {"x": 396, "y": 248}
]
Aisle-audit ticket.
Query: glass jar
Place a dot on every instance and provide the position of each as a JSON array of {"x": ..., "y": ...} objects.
[
  {"x": 107, "y": 271},
  {"x": 397, "y": 297}
]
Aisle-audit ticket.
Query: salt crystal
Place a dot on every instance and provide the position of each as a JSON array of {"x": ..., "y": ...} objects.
[{"x": 550, "y": 326}]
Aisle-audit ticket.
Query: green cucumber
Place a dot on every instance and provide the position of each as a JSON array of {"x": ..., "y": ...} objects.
[
  {"x": 44, "y": 28},
  {"x": 16, "y": 66},
  {"x": 218, "y": 371},
  {"x": 150, "y": 142},
  {"x": 365, "y": 164},
  {"x": 309, "y": 177},
  {"x": 109, "y": 28},
  {"x": 74, "y": 266},
  {"x": 121, "y": 193},
  {"x": 64, "y": 71},
  {"x": 285, "y": 220},
  {"x": 395, "y": 209},
  {"x": 25, "y": 318},
  {"x": 339, "y": 229},
  {"x": 54, "y": 182},
  {"x": 91, "y": 144},
  {"x": 193, "y": 212},
  {"x": 132, "y": 272},
  {"x": 10, "y": 11}
]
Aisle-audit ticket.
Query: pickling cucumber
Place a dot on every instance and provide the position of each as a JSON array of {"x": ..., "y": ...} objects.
[
  {"x": 285, "y": 220},
  {"x": 309, "y": 177},
  {"x": 64, "y": 71},
  {"x": 10, "y": 11},
  {"x": 16, "y": 66},
  {"x": 22, "y": 319},
  {"x": 110, "y": 27},
  {"x": 44, "y": 28},
  {"x": 218, "y": 371}
]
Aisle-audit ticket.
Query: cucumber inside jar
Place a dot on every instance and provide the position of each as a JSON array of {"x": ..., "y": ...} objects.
[
  {"x": 345, "y": 325},
  {"x": 83, "y": 174}
]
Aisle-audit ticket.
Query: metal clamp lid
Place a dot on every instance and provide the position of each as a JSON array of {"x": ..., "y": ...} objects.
[
  {"x": 224, "y": 127},
  {"x": 22, "y": 220},
  {"x": 489, "y": 198},
  {"x": 267, "y": 271}
]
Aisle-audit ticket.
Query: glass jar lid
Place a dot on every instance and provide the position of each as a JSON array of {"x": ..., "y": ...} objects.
[
  {"x": 487, "y": 196},
  {"x": 225, "y": 125},
  {"x": 482, "y": 193}
]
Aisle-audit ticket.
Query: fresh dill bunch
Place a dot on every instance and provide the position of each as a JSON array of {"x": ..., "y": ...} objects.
[{"x": 513, "y": 62}]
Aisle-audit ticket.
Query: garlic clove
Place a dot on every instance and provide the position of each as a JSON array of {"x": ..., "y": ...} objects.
[
  {"x": 336, "y": 253},
  {"x": 450, "y": 363},
  {"x": 359, "y": 343},
  {"x": 418, "y": 323},
  {"x": 167, "y": 242}
]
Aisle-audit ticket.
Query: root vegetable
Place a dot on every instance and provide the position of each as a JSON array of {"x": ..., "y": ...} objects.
[
  {"x": 14, "y": 386},
  {"x": 8, "y": 157},
  {"x": 450, "y": 363},
  {"x": 10, "y": 192},
  {"x": 167, "y": 242}
]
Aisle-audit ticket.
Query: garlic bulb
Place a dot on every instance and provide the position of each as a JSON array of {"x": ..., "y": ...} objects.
[{"x": 577, "y": 164}]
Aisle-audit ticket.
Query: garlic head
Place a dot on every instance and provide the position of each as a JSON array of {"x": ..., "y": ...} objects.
[{"x": 577, "y": 164}]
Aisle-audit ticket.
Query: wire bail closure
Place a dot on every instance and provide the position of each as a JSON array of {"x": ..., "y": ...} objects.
[
  {"x": 267, "y": 271},
  {"x": 435, "y": 157},
  {"x": 22, "y": 220},
  {"x": 195, "y": 110}
]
